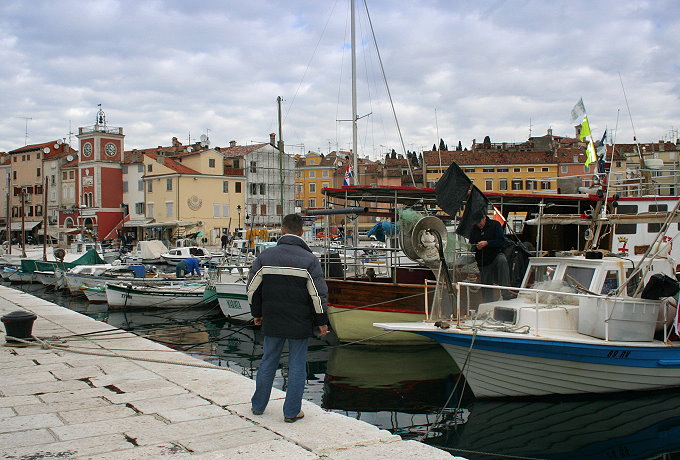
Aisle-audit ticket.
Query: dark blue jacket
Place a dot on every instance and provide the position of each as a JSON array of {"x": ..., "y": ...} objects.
[
  {"x": 491, "y": 232},
  {"x": 287, "y": 289}
]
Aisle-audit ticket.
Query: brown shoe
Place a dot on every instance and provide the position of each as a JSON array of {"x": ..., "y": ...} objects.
[{"x": 294, "y": 419}]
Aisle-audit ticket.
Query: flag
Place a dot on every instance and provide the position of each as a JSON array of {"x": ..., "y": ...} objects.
[
  {"x": 602, "y": 147},
  {"x": 476, "y": 202},
  {"x": 498, "y": 217},
  {"x": 585, "y": 128},
  {"x": 591, "y": 156},
  {"x": 452, "y": 189},
  {"x": 578, "y": 112},
  {"x": 348, "y": 175}
]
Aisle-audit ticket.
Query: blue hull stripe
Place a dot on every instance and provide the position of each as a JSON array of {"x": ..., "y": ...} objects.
[{"x": 610, "y": 355}]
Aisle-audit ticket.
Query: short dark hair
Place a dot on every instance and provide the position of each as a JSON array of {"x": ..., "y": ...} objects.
[
  {"x": 478, "y": 216},
  {"x": 292, "y": 223}
]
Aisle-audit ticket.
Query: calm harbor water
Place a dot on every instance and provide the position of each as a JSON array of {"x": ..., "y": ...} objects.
[{"x": 410, "y": 392}]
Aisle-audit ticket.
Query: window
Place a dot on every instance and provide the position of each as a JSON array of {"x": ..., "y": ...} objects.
[
  {"x": 517, "y": 184},
  {"x": 488, "y": 170},
  {"x": 312, "y": 174},
  {"x": 125, "y": 169},
  {"x": 312, "y": 203},
  {"x": 618, "y": 164},
  {"x": 38, "y": 210},
  {"x": 169, "y": 209},
  {"x": 37, "y": 172},
  {"x": 298, "y": 174},
  {"x": 467, "y": 170},
  {"x": 211, "y": 162},
  {"x": 626, "y": 229},
  {"x": 64, "y": 175},
  {"x": 586, "y": 168},
  {"x": 312, "y": 187},
  {"x": 655, "y": 228},
  {"x": 540, "y": 273},
  {"x": 253, "y": 210},
  {"x": 253, "y": 189},
  {"x": 530, "y": 169},
  {"x": 140, "y": 185},
  {"x": 298, "y": 203},
  {"x": 324, "y": 173},
  {"x": 263, "y": 209},
  {"x": 545, "y": 169},
  {"x": 71, "y": 174},
  {"x": 225, "y": 210},
  {"x": 168, "y": 185},
  {"x": 488, "y": 184},
  {"x": 253, "y": 166},
  {"x": 53, "y": 180},
  {"x": 237, "y": 187},
  {"x": 515, "y": 170},
  {"x": 531, "y": 184},
  {"x": 140, "y": 168},
  {"x": 545, "y": 184},
  {"x": 263, "y": 189},
  {"x": 324, "y": 185},
  {"x": 225, "y": 186},
  {"x": 611, "y": 281},
  {"x": 149, "y": 168},
  {"x": 298, "y": 188},
  {"x": 216, "y": 210},
  {"x": 125, "y": 186},
  {"x": 149, "y": 210},
  {"x": 139, "y": 208},
  {"x": 311, "y": 161},
  {"x": 579, "y": 277},
  {"x": 502, "y": 184},
  {"x": 564, "y": 169},
  {"x": 279, "y": 210},
  {"x": 15, "y": 160},
  {"x": 149, "y": 186},
  {"x": 14, "y": 175}
]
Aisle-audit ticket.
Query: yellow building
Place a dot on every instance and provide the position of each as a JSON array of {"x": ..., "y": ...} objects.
[
  {"x": 313, "y": 173},
  {"x": 187, "y": 199}
]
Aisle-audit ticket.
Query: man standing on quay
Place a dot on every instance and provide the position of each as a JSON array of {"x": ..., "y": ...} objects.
[{"x": 287, "y": 295}]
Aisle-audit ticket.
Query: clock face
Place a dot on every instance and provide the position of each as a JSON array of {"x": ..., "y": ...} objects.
[
  {"x": 110, "y": 149},
  {"x": 87, "y": 149}
]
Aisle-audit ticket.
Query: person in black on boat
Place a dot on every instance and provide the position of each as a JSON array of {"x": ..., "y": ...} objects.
[{"x": 488, "y": 240}]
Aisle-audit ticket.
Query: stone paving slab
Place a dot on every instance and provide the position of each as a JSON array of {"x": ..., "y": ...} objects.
[{"x": 114, "y": 395}]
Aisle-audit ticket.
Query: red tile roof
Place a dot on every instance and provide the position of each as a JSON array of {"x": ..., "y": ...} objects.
[{"x": 172, "y": 164}]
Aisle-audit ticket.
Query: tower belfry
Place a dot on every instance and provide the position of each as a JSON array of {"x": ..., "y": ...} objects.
[{"x": 101, "y": 117}]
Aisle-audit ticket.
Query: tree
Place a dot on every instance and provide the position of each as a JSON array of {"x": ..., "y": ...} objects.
[
  {"x": 394, "y": 154},
  {"x": 487, "y": 141},
  {"x": 442, "y": 145},
  {"x": 460, "y": 146},
  {"x": 434, "y": 147}
]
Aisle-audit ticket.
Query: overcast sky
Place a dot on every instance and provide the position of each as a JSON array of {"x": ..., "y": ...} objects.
[{"x": 457, "y": 70}]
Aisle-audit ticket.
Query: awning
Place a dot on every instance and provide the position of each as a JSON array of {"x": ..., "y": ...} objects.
[
  {"x": 16, "y": 226},
  {"x": 173, "y": 224},
  {"x": 55, "y": 231},
  {"x": 136, "y": 222}
]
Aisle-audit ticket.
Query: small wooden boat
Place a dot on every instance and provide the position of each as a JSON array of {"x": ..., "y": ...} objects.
[
  {"x": 94, "y": 294},
  {"x": 175, "y": 295}
]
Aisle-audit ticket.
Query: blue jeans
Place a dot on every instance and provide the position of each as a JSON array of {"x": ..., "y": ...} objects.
[{"x": 297, "y": 374}]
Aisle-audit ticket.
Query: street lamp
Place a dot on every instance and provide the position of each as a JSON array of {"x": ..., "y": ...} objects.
[{"x": 238, "y": 210}]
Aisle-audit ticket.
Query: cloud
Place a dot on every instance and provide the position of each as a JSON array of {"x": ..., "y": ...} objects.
[{"x": 457, "y": 71}]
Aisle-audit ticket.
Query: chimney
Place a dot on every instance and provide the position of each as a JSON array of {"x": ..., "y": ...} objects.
[
  {"x": 232, "y": 143},
  {"x": 176, "y": 142},
  {"x": 272, "y": 139}
]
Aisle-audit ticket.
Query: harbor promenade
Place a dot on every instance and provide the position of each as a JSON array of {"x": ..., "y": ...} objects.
[{"x": 86, "y": 390}]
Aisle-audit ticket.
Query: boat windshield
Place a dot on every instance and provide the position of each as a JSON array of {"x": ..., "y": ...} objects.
[
  {"x": 539, "y": 273},
  {"x": 579, "y": 277}
]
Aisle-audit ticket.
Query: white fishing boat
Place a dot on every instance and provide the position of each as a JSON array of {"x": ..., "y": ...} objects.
[
  {"x": 146, "y": 252},
  {"x": 176, "y": 295},
  {"x": 579, "y": 325},
  {"x": 128, "y": 273},
  {"x": 176, "y": 255}
]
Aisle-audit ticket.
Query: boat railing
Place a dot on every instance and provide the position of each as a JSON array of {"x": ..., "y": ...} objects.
[{"x": 611, "y": 318}]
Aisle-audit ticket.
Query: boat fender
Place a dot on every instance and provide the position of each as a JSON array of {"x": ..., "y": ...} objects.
[{"x": 442, "y": 324}]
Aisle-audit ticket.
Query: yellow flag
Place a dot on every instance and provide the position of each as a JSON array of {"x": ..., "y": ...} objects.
[
  {"x": 591, "y": 156},
  {"x": 585, "y": 128}
]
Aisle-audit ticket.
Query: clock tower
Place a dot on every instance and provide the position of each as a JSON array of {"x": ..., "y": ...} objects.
[{"x": 100, "y": 177}]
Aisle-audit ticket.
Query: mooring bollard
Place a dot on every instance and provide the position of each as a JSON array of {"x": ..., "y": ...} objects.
[{"x": 19, "y": 325}]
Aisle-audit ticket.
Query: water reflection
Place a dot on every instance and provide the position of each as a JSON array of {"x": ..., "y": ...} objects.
[{"x": 404, "y": 390}]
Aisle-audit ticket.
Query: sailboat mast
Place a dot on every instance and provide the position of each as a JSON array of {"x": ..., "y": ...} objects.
[{"x": 355, "y": 160}]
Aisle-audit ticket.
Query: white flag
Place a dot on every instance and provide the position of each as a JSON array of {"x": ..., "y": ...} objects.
[{"x": 578, "y": 112}]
